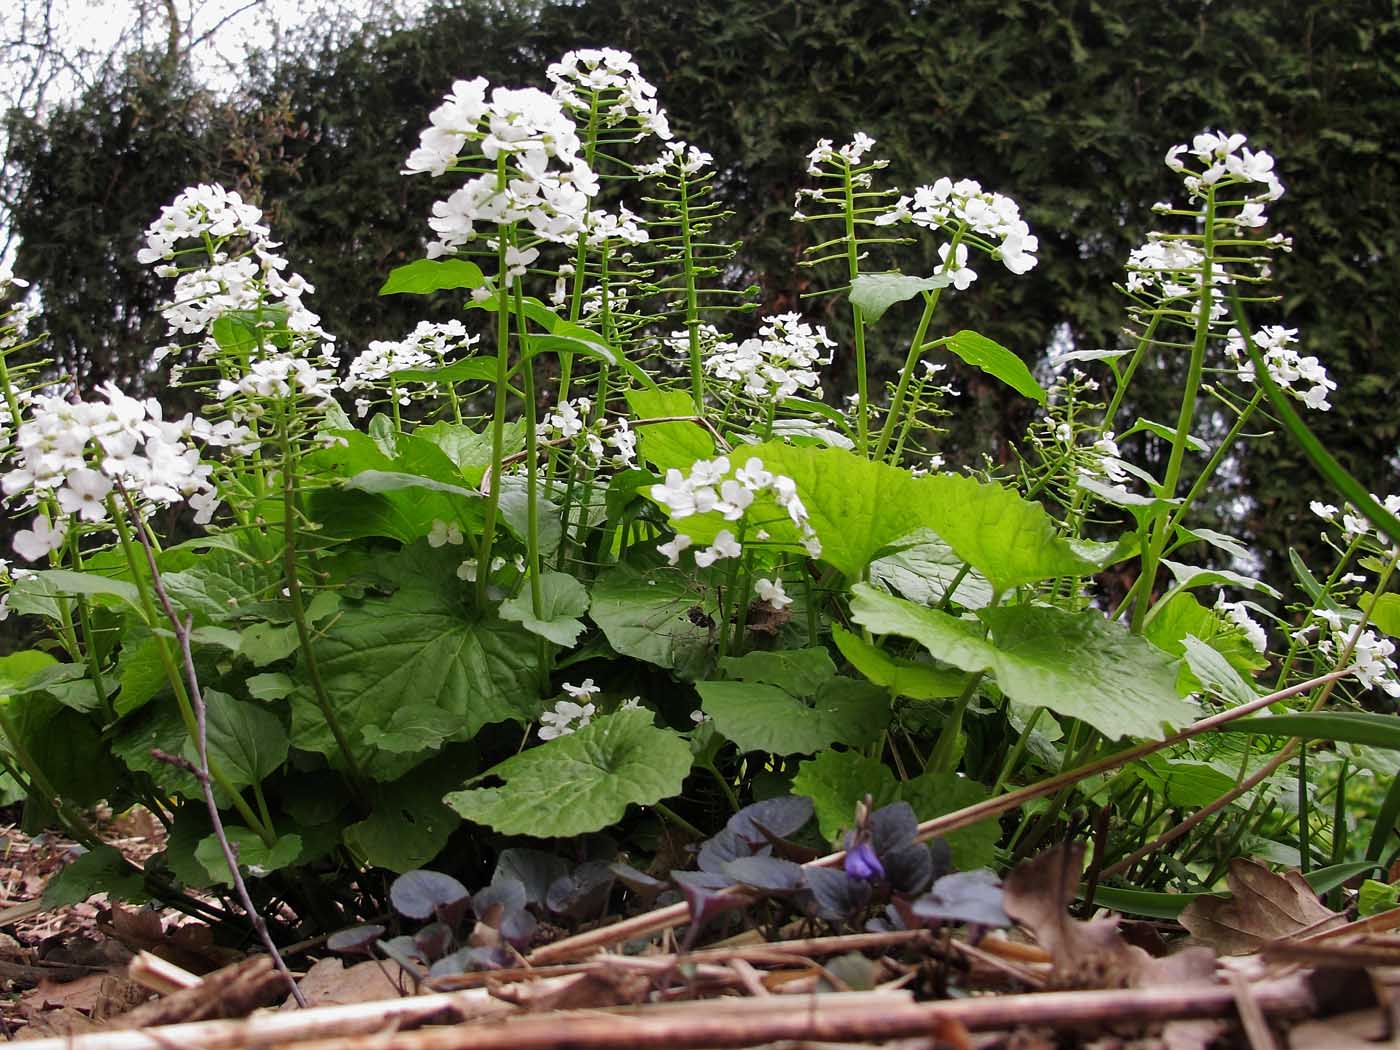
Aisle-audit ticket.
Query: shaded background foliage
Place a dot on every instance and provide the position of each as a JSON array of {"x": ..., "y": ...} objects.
[{"x": 1066, "y": 106}]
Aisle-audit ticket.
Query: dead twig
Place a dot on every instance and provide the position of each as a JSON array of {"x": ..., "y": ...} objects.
[
  {"x": 200, "y": 770},
  {"x": 677, "y": 914}
]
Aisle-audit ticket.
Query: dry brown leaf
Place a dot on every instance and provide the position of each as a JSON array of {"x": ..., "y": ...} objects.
[
  {"x": 1264, "y": 907},
  {"x": 1092, "y": 953},
  {"x": 329, "y": 983},
  {"x": 1358, "y": 1030}
]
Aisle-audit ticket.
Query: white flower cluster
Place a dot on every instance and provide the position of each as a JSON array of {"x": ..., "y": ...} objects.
[
  {"x": 1238, "y": 614},
  {"x": 426, "y": 347},
  {"x": 603, "y": 227},
  {"x": 77, "y": 452},
  {"x": 248, "y": 280},
  {"x": 710, "y": 487},
  {"x": 1170, "y": 270},
  {"x": 532, "y": 131},
  {"x": 1354, "y": 524},
  {"x": 778, "y": 363},
  {"x": 772, "y": 592},
  {"x": 1225, "y": 160},
  {"x": 678, "y": 157},
  {"x": 570, "y": 419},
  {"x": 277, "y": 377},
  {"x": 1372, "y": 655},
  {"x": 569, "y": 716},
  {"x": 1290, "y": 370},
  {"x": 610, "y": 81},
  {"x": 964, "y": 205},
  {"x": 849, "y": 155}
]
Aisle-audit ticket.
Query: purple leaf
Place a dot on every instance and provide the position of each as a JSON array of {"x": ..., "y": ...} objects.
[
  {"x": 893, "y": 826},
  {"x": 768, "y": 874},
  {"x": 535, "y": 869},
  {"x": 728, "y": 845},
  {"x": 908, "y": 869},
  {"x": 704, "y": 894},
  {"x": 839, "y": 898},
  {"x": 355, "y": 941},
  {"x": 425, "y": 894},
  {"x": 964, "y": 896},
  {"x": 583, "y": 893},
  {"x": 433, "y": 940},
  {"x": 771, "y": 818}
]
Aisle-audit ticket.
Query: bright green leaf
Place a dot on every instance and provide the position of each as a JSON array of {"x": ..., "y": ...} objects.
[
  {"x": 766, "y": 718},
  {"x": 900, "y": 677},
  {"x": 582, "y": 782},
  {"x": 994, "y": 359},
  {"x": 563, "y": 599},
  {"x": 875, "y": 293},
  {"x": 100, "y": 870},
  {"x": 669, "y": 445},
  {"x": 648, "y": 616},
  {"x": 432, "y": 275},
  {"x": 1075, "y": 664},
  {"x": 255, "y": 857}
]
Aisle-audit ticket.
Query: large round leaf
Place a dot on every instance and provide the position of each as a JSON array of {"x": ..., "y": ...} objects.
[{"x": 582, "y": 782}]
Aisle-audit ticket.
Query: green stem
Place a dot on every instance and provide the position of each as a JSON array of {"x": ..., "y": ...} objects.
[
  {"x": 944, "y": 758},
  {"x": 293, "y": 584},
  {"x": 857, "y": 317},
  {"x": 692, "y": 299},
  {"x": 498, "y": 416},
  {"x": 1185, "y": 418},
  {"x": 172, "y": 673},
  {"x": 916, "y": 348}
]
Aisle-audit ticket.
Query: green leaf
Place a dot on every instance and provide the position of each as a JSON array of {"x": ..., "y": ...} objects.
[
  {"x": 994, "y": 359},
  {"x": 18, "y": 668},
  {"x": 875, "y": 293},
  {"x": 800, "y": 672},
  {"x": 378, "y": 481},
  {"x": 224, "y": 585},
  {"x": 66, "y": 581},
  {"x": 1075, "y": 664},
  {"x": 900, "y": 677},
  {"x": 471, "y": 369},
  {"x": 648, "y": 616},
  {"x": 469, "y": 450},
  {"x": 266, "y": 643},
  {"x": 425, "y": 642},
  {"x": 922, "y": 568},
  {"x": 1191, "y": 576},
  {"x": 582, "y": 782},
  {"x": 1213, "y": 672},
  {"x": 563, "y": 600},
  {"x": 836, "y": 780},
  {"x": 1385, "y": 613},
  {"x": 1166, "y": 433},
  {"x": 408, "y": 825},
  {"x": 858, "y": 508},
  {"x": 243, "y": 332},
  {"x": 247, "y": 741},
  {"x": 1372, "y": 899},
  {"x": 1325, "y": 463},
  {"x": 413, "y": 728},
  {"x": 669, "y": 445},
  {"x": 255, "y": 857},
  {"x": 99, "y": 870},
  {"x": 765, "y": 718},
  {"x": 140, "y": 672},
  {"x": 432, "y": 275},
  {"x": 1350, "y": 727},
  {"x": 271, "y": 686},
  {"x": 66, "y": 683}
]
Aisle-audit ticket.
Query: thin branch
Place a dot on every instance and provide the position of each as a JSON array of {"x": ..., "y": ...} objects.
[
  {"x": 201, "y": 772},
  {"x": 677, "y": 914}
]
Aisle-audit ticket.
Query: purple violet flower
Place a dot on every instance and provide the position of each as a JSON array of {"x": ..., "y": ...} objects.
[{"x": 862, "y": 863}]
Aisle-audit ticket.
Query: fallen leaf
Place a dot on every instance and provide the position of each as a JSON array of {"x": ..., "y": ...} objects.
[
  {"x": 1092, "y": 953},
  {"x": 1263, "y": 907},
  {"x": 329, "y": 983}
]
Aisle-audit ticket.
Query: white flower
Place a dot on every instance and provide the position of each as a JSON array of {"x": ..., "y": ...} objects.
[
  {"x": 566, "y": 718},
  {"x": 443, "y": 533},
  {"x": 1238, "y": 614},
  {"x": 41, "y": 539},
  {"x": 771, "y": 591},
  {"x": 585, "y": 690},
  {"x": 673, "y": 549},
  {"x": 1325, "y": 511},
  {"x": 725, "y": 546}
]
